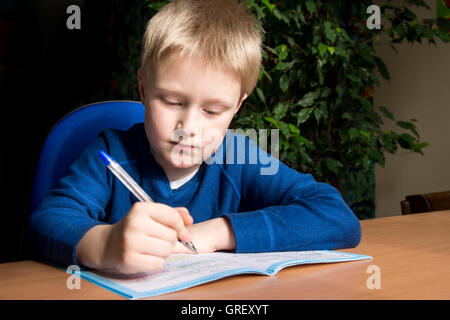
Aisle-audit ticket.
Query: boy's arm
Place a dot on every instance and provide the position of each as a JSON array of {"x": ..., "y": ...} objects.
[
  {"x": 71, "y": 209},
  {"x": 290, "y": 211}
]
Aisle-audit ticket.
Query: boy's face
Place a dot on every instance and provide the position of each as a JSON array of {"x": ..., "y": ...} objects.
[{"x": 187, "y": 103}]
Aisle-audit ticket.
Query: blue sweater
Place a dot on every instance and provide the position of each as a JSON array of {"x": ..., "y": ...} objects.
[{"x": 285, "y": 211}]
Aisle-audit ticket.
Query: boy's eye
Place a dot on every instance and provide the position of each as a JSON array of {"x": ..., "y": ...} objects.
[
  {"x": 211, "y": 112},
  {"x": 170, "y": 103}
]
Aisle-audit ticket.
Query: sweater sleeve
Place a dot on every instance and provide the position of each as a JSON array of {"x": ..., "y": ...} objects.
[
  {"x": 67, "y": 212},
  {"x": 284, "y": 210}
]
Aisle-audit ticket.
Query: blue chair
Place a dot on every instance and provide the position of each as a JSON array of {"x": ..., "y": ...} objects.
[{"x": 72, "y": 134}]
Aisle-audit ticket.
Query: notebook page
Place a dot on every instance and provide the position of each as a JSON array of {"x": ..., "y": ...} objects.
[
  {"x": 182, "y": 271},
  {"x": 178, "y": 269},
  {"x": 264, "y": 260}
]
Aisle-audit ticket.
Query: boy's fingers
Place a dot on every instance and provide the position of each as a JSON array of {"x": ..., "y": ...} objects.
[
  {"x": 158, "y": 230},
  {"x": 187, "y": 218},
  {"x": 143, "y": 263},
  {"x": 155, "y": 247},
  {"x": 170, "y": 217}
]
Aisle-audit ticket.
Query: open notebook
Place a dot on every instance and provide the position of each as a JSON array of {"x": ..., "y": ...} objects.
[{"x": 183, "y": 271}]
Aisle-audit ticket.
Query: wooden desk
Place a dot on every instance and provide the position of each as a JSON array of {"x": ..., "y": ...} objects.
[{"x": 412, "y": 252}]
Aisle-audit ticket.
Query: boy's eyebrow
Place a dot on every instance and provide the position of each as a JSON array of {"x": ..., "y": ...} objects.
[
  {"x": 215, "y": 101},
  {"x": 169, "y": 91},
  {"x": 220, "y": 102}
]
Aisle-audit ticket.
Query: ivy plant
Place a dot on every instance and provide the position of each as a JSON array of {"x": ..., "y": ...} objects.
[{"x": 315, "y": 86}]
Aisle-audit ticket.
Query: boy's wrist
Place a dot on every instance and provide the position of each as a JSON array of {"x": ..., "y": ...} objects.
[
  {"x": 91, "y": 248},
  {"x": 225, "y": 234}
]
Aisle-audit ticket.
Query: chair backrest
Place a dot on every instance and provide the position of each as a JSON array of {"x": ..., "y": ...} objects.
[
  {"x": 72, "y": 134},
  {"x": 426, "y": 202}
]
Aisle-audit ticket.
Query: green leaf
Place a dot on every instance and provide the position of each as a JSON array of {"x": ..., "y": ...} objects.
[
  {"x": 284, "y": 82},
  {"x": 377, "y": 156},
  {"x": 330, "y": 33},
  {"x": 389, "y": 142},
  {"x": 400, "y": 30},
  {"x": 333, "y": 165},
  {"x": 409, "y": 15},
  {"x": 325, "y": 92},
  {"x": 381, "y": 67},
  {"x": 341, "y": 52},
  {"x": 264, "y": 72},
  {"x": 365, "y": 161},
  {"x": 293, "y": 129},
  {"x": 354, "y": 79},
  {"x": 323, "y": 106},
  {"x": 353, "y": 133},
  {"x": 271, "y": 120},
  {"x": 347, "y": 116},
  {"x": 366, "y": 103},
  {"x": 322, "y": 48},
  {"x": 409, "y": 126},
  {"x": 386, "y": 113},
  {"x": 420, "y": 146},
  {"x": 309, "y": 144},
  {"x": 282, "y": 51},
  {"x": 270, "y": 49},
  {"x": 308, "y": 99},
  {"x": 428, "y": 33},
  {"x": 311, "y": 6},
  {"x": 405, "y": 141},
  {"x": 280, "y": 16},
  {"x": 157, "y": 5},
  {"x": 365, "y": 134},
  {"x": 339, "y": 90},
  {"x": 269, "y": 5},
  {"x": 366, "y": 53},
  {"x": 330, "y": 49},
  {"x": 303, "y": 115},
  {"x": 280, "y": 110},
  {"x": 283, "y": 128},
  {"x": 260, "y": 14},
  {"x": 283, "y": 66},
  {"x": 317, "y": 114},
  {"x": 260, "y": 94}
]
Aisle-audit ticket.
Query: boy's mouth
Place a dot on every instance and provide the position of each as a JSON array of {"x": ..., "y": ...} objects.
[{"x": 184, "y": 146}]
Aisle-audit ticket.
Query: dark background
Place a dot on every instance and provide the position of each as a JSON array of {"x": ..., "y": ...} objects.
[{"x": 46, "y": 70}]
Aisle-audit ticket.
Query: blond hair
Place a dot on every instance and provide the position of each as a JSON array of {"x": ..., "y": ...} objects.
[{"x": 222, "y": 32}]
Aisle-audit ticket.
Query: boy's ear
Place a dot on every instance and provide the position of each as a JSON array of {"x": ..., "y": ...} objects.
[
  {"x": 240, "y": 102},
  {"x": 141, "y": 87}
]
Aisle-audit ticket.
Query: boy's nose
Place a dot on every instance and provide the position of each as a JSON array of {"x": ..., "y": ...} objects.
[{"x": 190, "y": 124}]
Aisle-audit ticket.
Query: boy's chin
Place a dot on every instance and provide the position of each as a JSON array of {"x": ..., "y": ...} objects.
[{"x": 185, "y": 162}]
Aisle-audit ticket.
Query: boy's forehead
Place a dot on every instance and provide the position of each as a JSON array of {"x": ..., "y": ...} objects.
[
  {"x": 176, "y": 71},
  {"x": 176, "y": 61}
]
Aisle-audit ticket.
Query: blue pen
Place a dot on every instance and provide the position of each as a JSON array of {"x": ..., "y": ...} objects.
[{"x": 128, "y": 181}]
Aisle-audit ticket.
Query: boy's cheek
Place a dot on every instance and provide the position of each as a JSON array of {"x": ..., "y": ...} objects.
[
  {"x": 208, "y": 150},
  {"x": 212, "y": 138}
]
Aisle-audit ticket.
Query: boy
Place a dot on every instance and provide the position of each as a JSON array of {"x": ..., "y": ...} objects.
[{"x": 199, "y": 62}]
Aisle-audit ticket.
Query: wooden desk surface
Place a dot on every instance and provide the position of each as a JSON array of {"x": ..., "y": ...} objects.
[{"x": 412, "y": 253}]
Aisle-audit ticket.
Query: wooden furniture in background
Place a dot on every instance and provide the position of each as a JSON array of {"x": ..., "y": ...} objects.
[{"x": 428, "y": 202}]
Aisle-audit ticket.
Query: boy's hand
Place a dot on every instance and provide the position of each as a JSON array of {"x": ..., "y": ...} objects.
[
  {"x": 209, "y": 236},
  {"x": 142, "y": 240},
  {"x": 187, "y": 218}
]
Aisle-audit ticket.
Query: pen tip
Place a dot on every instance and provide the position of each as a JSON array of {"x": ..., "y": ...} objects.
[
  {"x": 194, "y": 248},
  {"x": 106, "y": 157}
]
